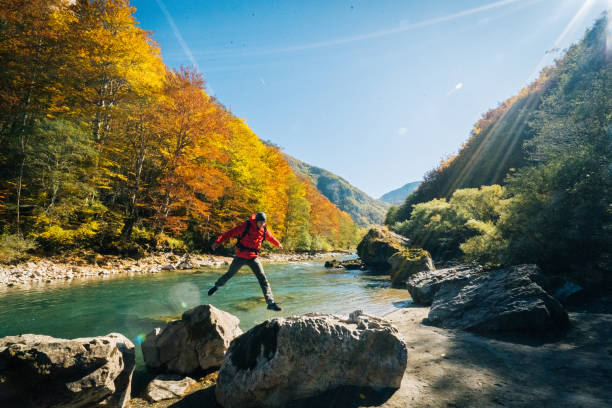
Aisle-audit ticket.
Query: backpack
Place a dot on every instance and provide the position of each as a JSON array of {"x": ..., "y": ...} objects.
[{"x": 244, "y": 234}]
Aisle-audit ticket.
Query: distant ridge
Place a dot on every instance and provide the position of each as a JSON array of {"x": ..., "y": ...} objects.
[
  {"x": 364, "y": 209},
  {"x": 397, "y": 196}
]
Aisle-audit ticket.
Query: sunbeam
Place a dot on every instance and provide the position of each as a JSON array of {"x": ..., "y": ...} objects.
[
  {"x": 574, "y": 21},
  {"x": 515, "y": 129}
]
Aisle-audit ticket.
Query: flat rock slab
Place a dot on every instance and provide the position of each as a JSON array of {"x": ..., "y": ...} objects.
[
  {"x": 43, "y": 371},
  {"x": 500, "y": 300},
  {"x": 288, "y": 359},
  {"x": 167, "y": 386}
]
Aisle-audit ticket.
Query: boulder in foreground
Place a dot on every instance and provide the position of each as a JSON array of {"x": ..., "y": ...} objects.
[
  {"x": 378, "y": 245},
  {"x": 286, "y": 359},
  {"x": 501, "y": 300},
  {"x": 196, "y": 342},
  {"x": 43, "y": 371}
]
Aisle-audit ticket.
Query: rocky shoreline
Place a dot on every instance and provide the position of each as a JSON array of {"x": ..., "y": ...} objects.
[{"x": 39, "y": 271}]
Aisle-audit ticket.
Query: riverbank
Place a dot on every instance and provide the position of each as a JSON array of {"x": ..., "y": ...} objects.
[
  {"x": 92, "y": 266},
  {"x": 448, "y": 368}
]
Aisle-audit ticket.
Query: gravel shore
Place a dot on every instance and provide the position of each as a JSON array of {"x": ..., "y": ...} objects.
[{"x": 65, "y": 268}]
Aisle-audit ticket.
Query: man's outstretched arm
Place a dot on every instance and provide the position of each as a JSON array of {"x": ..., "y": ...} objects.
[
  {"x": 270, "y": 238},
  {"x": 232, "y": 233}
]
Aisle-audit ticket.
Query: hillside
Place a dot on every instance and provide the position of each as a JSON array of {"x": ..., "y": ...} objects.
[
  {"x": 499, "y": 142},
  {"x": 541, "y": 163},
  {"x": 104, "y": 147},
  {"x": 397, "y": 196},
  {"x": 364, "y": 209}
]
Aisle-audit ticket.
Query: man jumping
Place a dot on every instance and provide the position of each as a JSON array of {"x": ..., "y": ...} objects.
[{"x": 251, "y": 235}]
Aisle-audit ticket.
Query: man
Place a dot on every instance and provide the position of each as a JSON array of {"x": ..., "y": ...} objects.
[{"x": 251, "y": 235}]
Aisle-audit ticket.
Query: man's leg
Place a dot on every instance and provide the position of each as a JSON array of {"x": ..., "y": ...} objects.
[
  {"x": 236, "y": 264},
  {"x": 258, "y": 270}
]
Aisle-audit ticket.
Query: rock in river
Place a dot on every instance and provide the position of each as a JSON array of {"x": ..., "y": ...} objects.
[
  {"x": 292, "y": 358},
  {"x": 196, "y": 342},
  {"x": 43, "y": 371},
  {"x": 350, "y": 264},
  {"x": 501, "y": 300},
  {"x": 378, "y": 245},
  {"x": 407, "y": 262}
]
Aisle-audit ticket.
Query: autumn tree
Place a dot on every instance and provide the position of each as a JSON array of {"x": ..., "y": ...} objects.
[{"x": 192, "y": 133}]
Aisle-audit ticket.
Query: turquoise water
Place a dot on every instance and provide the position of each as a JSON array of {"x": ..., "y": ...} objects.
[{"x": 134, "y": 305}]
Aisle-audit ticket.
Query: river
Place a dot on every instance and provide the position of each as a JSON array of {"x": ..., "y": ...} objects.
[{"x": 134, "y": 305}]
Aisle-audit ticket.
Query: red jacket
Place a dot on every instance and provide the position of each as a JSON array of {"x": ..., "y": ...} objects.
[{"x": 253, "y": 239}]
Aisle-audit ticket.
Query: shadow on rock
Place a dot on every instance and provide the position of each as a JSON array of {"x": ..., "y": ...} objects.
[
  {"x": 346, "y": 397},
  {"x": 199, "y": 399}
]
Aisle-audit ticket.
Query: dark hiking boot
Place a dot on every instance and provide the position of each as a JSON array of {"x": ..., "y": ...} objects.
[
  {"x": 212, "y": 290},
  {"x": 274, "y": 306}
]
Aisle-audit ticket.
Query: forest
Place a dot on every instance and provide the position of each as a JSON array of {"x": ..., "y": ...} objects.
[
  {"x": 106, "y": 148},
  {"x": 533, "y": 183}
]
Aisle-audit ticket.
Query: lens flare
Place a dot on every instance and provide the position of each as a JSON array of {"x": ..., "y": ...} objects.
[
  {"x": 140, "y": 338},
  {"x": 184, "y": 295}
]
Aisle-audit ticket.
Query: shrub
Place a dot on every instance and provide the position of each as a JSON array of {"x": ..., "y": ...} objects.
[
  {"x": 168, "y": 243},
  {"x": 55, "y": 238},
  {"x": 465, "y": 223},
  {"x": 14, "y": 248}
]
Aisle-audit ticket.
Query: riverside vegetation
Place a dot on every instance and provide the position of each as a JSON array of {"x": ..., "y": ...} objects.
[
  {"x": 533, "y": 184},
  {"x": 106, "y": 148}
]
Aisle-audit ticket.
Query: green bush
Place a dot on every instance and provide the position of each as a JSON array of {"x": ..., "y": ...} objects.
[
  {"x": 469, "y": 218},
  {"x": 14, "y": 248},
  {"x": 55, "y": 238},
  {"x": 168, "y": 243},
  {"x": 488, "y": 247},
  {"x": 320, "y": 244}
]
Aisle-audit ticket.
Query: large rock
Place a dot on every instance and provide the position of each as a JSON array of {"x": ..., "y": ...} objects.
[
  {"x": 292, "y": 358},
  {"x": 424, "y": 285},
  {"x": 168, "y": 386},
  {"x": 378, "y": 245},
  {"x": 501, "y": 300},
  {"x": 196, "y": 342},
  {"x": 43, "y": 371},
  {"x": 406, "y": 263}
]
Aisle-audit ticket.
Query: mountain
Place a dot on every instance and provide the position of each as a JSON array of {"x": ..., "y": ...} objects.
[
  {"x": 501, "y": 141},
  {"x": 397, "y": 196},
  {"x": 364, "y": 209}
]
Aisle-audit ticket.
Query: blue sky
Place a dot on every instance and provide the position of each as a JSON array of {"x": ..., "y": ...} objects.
[{"x": 376, "y": 91}]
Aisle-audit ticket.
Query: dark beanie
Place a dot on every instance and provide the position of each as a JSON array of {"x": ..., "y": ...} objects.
[{"x": 260, "y": 216}]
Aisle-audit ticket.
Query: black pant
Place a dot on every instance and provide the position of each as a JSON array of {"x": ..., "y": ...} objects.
[{"x": 258, "y": 270}]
